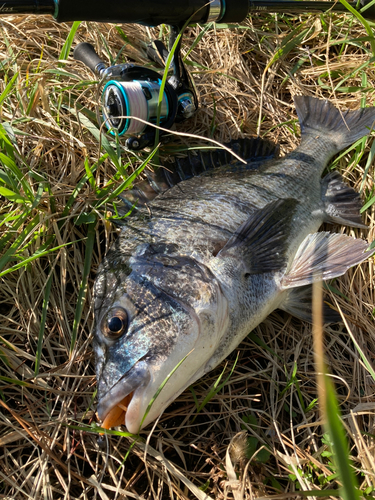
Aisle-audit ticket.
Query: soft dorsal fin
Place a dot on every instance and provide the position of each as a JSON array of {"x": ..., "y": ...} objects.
[
  {"x": 260, "y": 243},
  {"x": 197, "y": 162},
  {"x": 323, "y": 256}
]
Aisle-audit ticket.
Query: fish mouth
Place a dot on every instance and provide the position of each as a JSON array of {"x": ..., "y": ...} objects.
[{"x": 120, "y": 406}]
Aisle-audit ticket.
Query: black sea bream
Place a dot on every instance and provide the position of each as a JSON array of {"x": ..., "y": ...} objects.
[{"x": 211, "y": 257}]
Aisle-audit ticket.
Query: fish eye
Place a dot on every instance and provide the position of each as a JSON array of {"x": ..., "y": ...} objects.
[{"x": 115, "y": 323}]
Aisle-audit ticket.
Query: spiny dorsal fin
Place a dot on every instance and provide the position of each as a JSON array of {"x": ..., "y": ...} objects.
[
  {"x": 197, "y": 162},
  {"x": 260, "y": 243},
  {"x": 342, "y": 203},
  {"x": 322, "y": 256}
]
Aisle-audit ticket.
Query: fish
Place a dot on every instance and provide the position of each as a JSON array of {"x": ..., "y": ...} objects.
[{"x": 212, "y": 247}]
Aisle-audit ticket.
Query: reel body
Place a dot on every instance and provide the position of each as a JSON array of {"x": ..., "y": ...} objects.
[{"x": 130, "y": 97}]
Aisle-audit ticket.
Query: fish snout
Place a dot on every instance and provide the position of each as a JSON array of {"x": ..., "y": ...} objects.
[{"x": 114, "y": 406}]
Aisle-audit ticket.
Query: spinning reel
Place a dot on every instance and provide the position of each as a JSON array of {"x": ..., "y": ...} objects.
[{"x": 130, "y": 97}]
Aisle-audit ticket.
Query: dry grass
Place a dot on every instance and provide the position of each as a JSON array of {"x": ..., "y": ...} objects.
[{"x": 271, "y": 393}]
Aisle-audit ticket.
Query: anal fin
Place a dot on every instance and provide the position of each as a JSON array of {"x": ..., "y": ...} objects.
[
  {"x": 342, "y": 203},
  {"x": 323, "y": 256},
  {"x": 298, "y": 303}
]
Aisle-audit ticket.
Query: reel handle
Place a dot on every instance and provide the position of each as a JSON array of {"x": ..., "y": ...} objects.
[{"x": 85, "y": 53}]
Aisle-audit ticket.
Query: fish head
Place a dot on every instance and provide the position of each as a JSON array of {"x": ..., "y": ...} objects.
[{"x": 151, "y": 313}]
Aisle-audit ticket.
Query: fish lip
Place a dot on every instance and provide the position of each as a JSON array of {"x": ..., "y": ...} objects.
[{"x": 138, "y": 376}]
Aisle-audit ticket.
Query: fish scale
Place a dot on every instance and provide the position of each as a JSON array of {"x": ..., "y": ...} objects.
[
  {"x": 212, "y": 247},
  {"x": 208, "y": 196}
]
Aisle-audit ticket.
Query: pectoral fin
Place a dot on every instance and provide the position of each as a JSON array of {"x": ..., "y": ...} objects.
[
  {"x": 324, "y": 255},
  {"x": 260, "y": 243}
]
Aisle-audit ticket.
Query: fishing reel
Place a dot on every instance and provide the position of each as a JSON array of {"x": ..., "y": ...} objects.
[{"x": 130, "y": 97}]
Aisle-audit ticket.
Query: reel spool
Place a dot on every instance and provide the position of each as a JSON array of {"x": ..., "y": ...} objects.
[{"x": 123, "y": 101}]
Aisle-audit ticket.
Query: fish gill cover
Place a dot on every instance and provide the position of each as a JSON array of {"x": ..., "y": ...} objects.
[{"x": 57, "y": 178}]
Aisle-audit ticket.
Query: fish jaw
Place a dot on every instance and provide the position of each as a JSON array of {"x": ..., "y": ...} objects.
[
  {"x": 178, "y": 371},
  {"x": 185, "y": 364},
  {"x": 132, "y": 382}
]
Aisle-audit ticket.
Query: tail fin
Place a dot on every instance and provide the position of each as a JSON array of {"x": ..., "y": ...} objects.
[{"x": 342, "y": 128}]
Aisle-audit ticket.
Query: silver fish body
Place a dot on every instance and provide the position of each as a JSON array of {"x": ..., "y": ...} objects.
[{"x": 211, "y": 257}]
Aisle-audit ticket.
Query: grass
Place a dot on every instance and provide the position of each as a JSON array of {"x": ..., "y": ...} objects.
[{"x": 253, "y": 427}]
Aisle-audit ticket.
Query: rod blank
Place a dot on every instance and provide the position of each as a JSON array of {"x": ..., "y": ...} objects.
[{"x": 172, "y": 12}]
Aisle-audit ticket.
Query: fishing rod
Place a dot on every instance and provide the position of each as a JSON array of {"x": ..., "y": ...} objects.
[
  {"x": 172, "y": 12},
  {"x": 131, "y": 99}
]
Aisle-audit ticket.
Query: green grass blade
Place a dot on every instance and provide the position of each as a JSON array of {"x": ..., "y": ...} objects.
[
  {"x": 216, "y": 387},
  {"x": 43, "y": 324},
  {"x": 353, "y": 73},
  {"x": 96, "y": 429},
  {"x": 90, "y": 176},
  {"x": 162, "y": 85},
  {"x": 32, "y": 96},
  {"x": 252, "y": 336},
  {"x": 99, "y": 136},
  {"x": 8, "y": 89},
  {"x": 18, "y": 241},
  {"x": 64, "y": 54},
  {"x": 289, "y": 43},
  {"x": 165, "y": 76},
  {"x": 91, "y": 234},
  {"x": 37, "y": 255},
  {"x": 14, "y": 381},
  {"x": 366, "y": 362},
  {"x": 161, "y": 388},
  {"x": 20, "y": 220},
  {"x": 12, "y": 196},
  {"x": 198, "y": 39},
  {"x": 319, "y": 493},
  {"x": 18, "y": 174},
  {"x": 8, "y": 140},
  {"x": 81, "y": 184},
  {"x": 363, "y": 21},
  {"x": 349, "y": 490},
  {"x": 369, "y": 162},
  {"x": 129, "y": 180},
  {"x": 367, "y": 205},
  {"x": 66, "y": 74}
]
